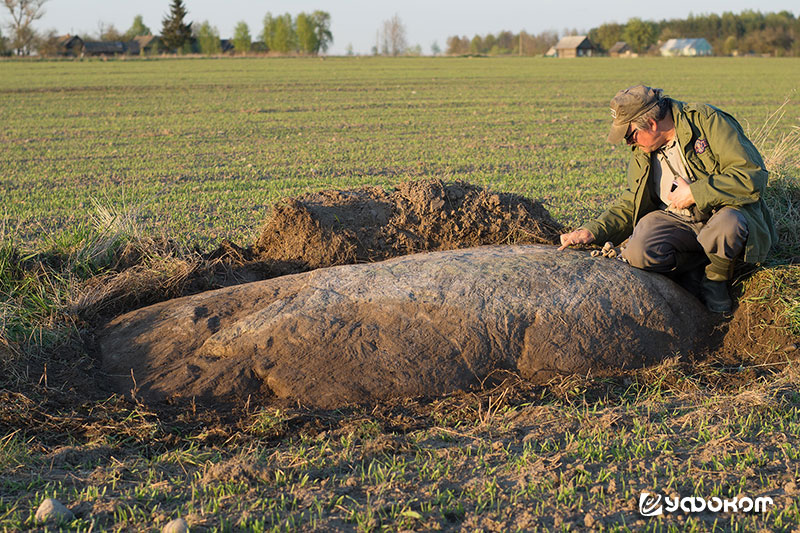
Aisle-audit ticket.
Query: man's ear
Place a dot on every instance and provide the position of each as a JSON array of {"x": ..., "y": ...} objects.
[{"x": 653, "y": 125}]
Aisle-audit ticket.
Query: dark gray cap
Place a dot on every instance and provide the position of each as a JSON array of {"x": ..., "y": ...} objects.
[{"x": 628, "y": 105}]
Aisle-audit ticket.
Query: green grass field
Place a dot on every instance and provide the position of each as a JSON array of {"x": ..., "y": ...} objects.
[{"x": 198, "y": 149}]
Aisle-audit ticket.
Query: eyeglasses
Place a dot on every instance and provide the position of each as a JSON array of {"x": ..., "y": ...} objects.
[{"x": 630, "y": 138}]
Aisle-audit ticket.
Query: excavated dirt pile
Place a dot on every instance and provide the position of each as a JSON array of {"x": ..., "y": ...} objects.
[{"x": 370, "y": 224}]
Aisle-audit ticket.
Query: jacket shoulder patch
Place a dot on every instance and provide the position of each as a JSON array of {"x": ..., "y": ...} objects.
[{"x": 700, "y": 146}]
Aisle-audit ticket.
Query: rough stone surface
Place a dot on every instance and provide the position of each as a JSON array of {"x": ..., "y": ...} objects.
[
  {"x": 422, "y": 324},
  {"x": 53, "y": 510}
]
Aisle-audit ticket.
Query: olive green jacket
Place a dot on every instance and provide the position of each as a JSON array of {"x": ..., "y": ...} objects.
[{"x": 728, "y": 171}]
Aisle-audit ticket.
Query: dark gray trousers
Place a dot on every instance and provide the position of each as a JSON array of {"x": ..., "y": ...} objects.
[{"x": 668, "y": 243}]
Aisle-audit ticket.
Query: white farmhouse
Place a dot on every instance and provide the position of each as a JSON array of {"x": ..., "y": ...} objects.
[{"x": 686, "y": 47}]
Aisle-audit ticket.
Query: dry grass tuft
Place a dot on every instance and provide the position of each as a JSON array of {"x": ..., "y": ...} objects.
[
  {"x": 784, "y": 152},
  {"x": 156, "y": 280},
  {"x": 781, "y": 153}
]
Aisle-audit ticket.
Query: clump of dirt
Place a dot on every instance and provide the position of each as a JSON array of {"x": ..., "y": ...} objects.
[
  {"x": 370, "y": 224},
  {"x": 318, "y": 230},
  {"x": 235, "y": 470},
  {"x": 78, "y": 455},
  {"x": 760, "y": 330}
]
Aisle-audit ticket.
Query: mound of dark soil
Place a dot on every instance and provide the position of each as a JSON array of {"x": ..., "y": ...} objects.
[{"x": 370, "y": 224}]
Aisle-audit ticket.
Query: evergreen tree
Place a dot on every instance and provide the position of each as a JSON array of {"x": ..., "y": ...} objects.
[{"x": 174, "y": 33}]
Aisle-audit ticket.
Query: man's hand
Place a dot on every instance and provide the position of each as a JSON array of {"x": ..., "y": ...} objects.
[
  {"x": 681, "y": 197},
  {"x": 579, "y": 236}
]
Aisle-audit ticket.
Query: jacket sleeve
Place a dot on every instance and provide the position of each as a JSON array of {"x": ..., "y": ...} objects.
[
  {"x": 616, "y": 223},
  {"x": 740, "y": 177}
]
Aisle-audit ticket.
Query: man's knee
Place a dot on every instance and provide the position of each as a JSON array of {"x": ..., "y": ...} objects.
[
  {"x": 649, "y": 246},
  {"x": 725, "y": 234}
]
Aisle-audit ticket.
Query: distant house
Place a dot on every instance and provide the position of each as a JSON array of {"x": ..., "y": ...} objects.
[
  {"x": 132, "y": 48},
  {"x": 551, "y": 52},
  {"x": 620, "y": 49},
  {"x": 149, "y": 45},
  {"x": 686, "y": 47},
  {"x": 103, "y": 48},
  {"x": 654, "y": 49},
  {"x": 226, "y": 45},
  {"x": 575, "y": 46},
  {"x": 110, "y": 48},
  {"x": 69, "y": 46}
]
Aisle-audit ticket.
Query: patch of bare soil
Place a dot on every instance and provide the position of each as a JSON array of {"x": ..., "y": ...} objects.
[{"x": 759, "y": 332}]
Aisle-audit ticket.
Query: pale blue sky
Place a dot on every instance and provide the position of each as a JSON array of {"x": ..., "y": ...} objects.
[{"x": 356, "y": 22}]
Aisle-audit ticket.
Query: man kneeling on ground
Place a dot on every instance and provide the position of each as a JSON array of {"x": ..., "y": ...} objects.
[{"x": 694, "y": 197}]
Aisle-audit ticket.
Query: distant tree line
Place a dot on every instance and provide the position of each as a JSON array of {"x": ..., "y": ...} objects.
[
  {"x": 504, "y": 43},
  {"x": 304, "y": 34},
  {"x": 749, "y": 32}
]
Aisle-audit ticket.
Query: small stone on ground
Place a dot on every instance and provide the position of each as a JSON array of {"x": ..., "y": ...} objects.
[
  {"x": 176, "y": 526},
  {"x": 51, "y": 509}
]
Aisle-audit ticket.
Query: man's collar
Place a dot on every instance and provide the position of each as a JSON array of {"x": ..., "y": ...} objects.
[
  {"x": 669, "y": 144},
  {"x": 683, "y": 129}
]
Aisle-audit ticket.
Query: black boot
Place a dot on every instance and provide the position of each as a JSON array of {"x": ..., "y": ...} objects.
[
  {"x": 714, "y": 288},
  {"x": 715, "y": 295}
]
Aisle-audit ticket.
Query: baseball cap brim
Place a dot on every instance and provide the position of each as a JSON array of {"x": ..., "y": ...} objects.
[{"x": 617, "y": 132}]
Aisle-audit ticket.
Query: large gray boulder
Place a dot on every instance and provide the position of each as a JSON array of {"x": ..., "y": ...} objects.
[{"x": 423, "y": 324}]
